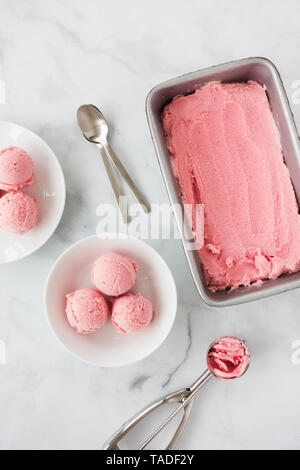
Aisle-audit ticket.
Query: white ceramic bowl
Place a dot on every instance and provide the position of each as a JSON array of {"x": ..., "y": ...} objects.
[
  {"x": 108, "y": 347},
  {"x": 49, "y": 189}
]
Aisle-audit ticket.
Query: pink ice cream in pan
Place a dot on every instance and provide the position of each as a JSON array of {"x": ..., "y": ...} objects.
[{"x": 226, "y": 154}]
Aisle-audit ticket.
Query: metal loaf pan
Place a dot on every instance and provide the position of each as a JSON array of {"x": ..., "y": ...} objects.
[{"x": 264, "y": 72}]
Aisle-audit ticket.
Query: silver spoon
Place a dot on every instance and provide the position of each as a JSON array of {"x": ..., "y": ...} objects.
[
  {"x": 95, "y": 129},
  {"x": 88, "y": 126}
]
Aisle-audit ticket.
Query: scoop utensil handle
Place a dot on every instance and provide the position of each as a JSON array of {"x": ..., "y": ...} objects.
[{"x": 184, "y": 397}]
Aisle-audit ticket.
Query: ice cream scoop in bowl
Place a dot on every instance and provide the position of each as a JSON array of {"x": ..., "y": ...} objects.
[{"x": 228, "y": 358}]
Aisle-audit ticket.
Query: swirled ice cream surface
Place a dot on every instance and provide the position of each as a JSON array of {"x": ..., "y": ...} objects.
[{"x": 226, "y": 154}]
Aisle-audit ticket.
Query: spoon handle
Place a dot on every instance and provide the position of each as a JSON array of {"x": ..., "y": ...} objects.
[
  {"x": 114, "y": 184},
  {"x": 124, "y": 173}
]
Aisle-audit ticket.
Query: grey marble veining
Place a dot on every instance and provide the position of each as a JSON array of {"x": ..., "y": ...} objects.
[{"x": 54, "y": 56}]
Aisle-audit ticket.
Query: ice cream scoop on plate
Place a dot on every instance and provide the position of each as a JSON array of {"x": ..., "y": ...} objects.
[
  {"x": 16, "y": 169},
  {"x": 114, "y": 274},
  {"x": 86, "y": 310},
  {"x": 19, "y": 212},
  {"x": 132, "y": 313}
]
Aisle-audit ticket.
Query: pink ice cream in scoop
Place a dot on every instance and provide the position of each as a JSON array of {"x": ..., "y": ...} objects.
[
  {"x": 16, "y": 169},
  {"x": 132, "y": 313},
  {"x": 227, "y": 156},
  {"x": 18, "y": 212},
  {"x": 86, "y": 310},
  {"x": 114, "y": 274},
  {"x": 228, "y": 358}
]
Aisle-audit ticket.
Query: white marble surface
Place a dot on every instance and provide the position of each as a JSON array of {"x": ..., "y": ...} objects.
[{"x": 54, "y": 56}]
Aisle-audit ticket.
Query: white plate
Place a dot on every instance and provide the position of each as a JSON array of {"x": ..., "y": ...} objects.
[
  {"x": 108, "y": 347},
  {"x": 49, "y": 189}
]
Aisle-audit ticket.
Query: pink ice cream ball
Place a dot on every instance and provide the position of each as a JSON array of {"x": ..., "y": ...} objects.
[
  {"x": 86, "y": 310},
  {"x": 114, "y": 274},
  {"x": 228, "y": 358},
  {"x": 16, "y": 169},
  {"x": 19, "y": 212},
  {"x": 132, "y": 313}
]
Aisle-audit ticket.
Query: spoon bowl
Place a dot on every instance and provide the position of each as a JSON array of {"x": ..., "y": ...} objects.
[{"x": 92, "y": 124}]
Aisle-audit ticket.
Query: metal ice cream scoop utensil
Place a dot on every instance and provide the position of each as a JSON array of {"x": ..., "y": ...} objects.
[
  {"x": 184, "y": 398},
  {"x": 95, "y": 129}
]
